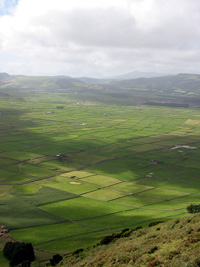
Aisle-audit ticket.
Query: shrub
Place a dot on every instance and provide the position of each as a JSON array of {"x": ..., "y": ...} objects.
[
  {"x": 197, "y": 262},
  {"x": 153, "y": 249},
  {"x": 154, "y": 262},
  {"x": 137, "y": 228},
  {"x": 19, "y": 256},
  {"x": 154, "y": 223},
  {"x": 55, "y": 260},
  {"x": 78, "y": 251},
  {"x": 8, "y": 250},
  {"x": 26, "y": 264},
  {"x": 108, "y": 239},
  {"x": 127, "y": 233},
  {"x": 18, "y": 252},
  {"x": 193, "y": 208}
]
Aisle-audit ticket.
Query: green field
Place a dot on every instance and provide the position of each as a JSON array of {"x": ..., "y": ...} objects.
[{"x": 71, "y": 176}]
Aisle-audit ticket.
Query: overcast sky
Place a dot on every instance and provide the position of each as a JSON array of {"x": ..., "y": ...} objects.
[{"x": 99, "y": 38}]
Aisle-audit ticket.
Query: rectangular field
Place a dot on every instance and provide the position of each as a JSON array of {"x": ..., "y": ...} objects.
[{"x": 70, "y": 176}]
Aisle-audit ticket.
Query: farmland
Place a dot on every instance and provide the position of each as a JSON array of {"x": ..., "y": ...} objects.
[{"x": 72, "y": 171}]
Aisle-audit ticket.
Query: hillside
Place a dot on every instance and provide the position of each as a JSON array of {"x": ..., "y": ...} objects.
[
  {"x": 39, "y": 83},
  {"x": 173, "y": 243},
  {"x": 138, "y": 74},
  {"x": 176, "y": 90},
  {"x": 170, "y": 83}
]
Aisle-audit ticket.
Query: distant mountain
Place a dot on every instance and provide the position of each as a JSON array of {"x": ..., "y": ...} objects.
[
  {"x": 26, "y": 83},
  {"x": 183, "y": 84},
  {"x": 62, "y": 77},
  {"x": 4, "y": 76},
  {"x": 127, "y": 76},
  {"x": 188, "y": 83},
  {"x": 138, "y": 74},
  {"x": 90, "y": 80}
]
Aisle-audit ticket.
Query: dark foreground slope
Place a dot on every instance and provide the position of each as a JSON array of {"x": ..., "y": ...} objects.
[{"x": 173, "y": 243}]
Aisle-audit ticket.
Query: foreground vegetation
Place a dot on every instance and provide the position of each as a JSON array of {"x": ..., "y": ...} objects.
[
  {"x": 74, "y": 170},
  {"x": 173, "y": 243}
]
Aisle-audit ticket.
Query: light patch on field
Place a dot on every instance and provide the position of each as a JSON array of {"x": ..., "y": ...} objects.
[
  {"x": 77, "y": 174},
  {"x": 74, "y": 183},
  {"x": 192, "y": 122}
]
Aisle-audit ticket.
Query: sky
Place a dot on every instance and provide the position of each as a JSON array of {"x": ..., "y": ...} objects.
[{"x": 99, "y": 38}]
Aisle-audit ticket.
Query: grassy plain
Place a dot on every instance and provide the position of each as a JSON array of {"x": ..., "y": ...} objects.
[{"x": 116, "y": 167}]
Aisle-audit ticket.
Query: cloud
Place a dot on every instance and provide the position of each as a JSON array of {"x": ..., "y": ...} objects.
[{"x": 101, "y": 37}]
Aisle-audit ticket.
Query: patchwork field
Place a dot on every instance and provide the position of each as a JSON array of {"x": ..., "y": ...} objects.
[{"x": 72, "y": 172}]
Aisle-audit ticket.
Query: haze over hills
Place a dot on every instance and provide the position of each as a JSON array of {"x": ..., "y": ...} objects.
[
  {"x": 168, "y": 83},
  {"x": 181, "y": 90},
  {"x": 138, "y": 74},
  {"x": 4, "y": 76},
  {"x": 186, "y": 85},
  {"x": 91, "y": 80},
  {"x": 130, "y": 75},
  {"x": 134, "y": 78}
]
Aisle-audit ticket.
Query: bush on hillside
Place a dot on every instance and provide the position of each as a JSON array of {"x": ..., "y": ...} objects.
[
  {"x": 26, "y": 264},
  {"x": 78, "y": 251},
  {"x": 137, "y": 228},
  {"x": 154, "y": 223},
  {"x": 108, "y": 239},
  {"x": 193, "y": 208},
  {"x": 55, "y": 260},
  {"x": 18, "y": 252}
]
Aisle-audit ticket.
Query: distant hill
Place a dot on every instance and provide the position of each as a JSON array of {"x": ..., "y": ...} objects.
[
  {"x": 4, "y": 76},
  {"x": 89, "y": 80},
  {"x": 173, "y": 243},
  {"x": 27, "y": 83},
  {"x": 138, "y": 74},
  {"x": 170, "y": 83},
  {"x": 182, "y": 90}
]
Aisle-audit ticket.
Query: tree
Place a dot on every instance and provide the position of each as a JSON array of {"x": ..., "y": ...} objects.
[
  {"x": 56, "y": 259},
  {"x": 193, "y": 208},
  {"x": 18, "y": 252}
]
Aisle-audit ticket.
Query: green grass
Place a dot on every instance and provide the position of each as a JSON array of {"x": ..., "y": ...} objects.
[
  {"x": 130, "y": 187},
  {"x": 81, "y": 208},
  {"x": 162, "y": 194},
  {"x": 16, "y": 213},
  {"x": 27, "y": 169},
  {"x": 10, "y": 177},
  {"x": 66, "y": 184},
  {"x": 19, "y": 155},
  {"x": 3, "y": 261},
  {"x": 42, "y": 196},
  {"x": 50, "y": 233},
  {"x": 108, "y": 168},
  {"x": 78, "y": 174},
  {"x": 101, "y": 180},
  {"x": 136, "y": 201},
  {"x": 105, "y": 194},
  {"x": 129, "y": 218},
  {"x": 4, "y": 189},
  {"x": 70, "y": 244}
]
